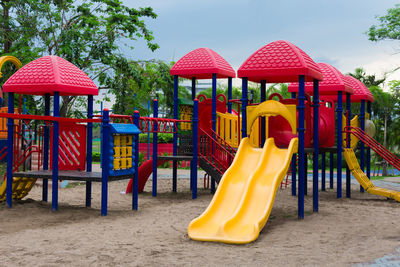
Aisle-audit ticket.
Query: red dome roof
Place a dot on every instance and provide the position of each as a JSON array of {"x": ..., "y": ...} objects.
[
  {"x": 361, "y": 92},
  {"x": 333, "y": 82},
  {"x": 50, "y": 74},
  {"x": 279, "y": 61},
  {"x": 202, "y": 63}
]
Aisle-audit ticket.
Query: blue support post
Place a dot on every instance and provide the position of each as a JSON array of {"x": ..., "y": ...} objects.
[
  {"x": 331, "y": 170},
  {"x": 362, "y": 147},
  {"x": 339, "y": 112},
  {"x": 244, "y": 106},
  {"x": 263, "y": 120},
  {"x": 105, "y": 160},
  {"x": 10, "y": 152},
  {"x": 175, "y": 140},
  {"x": 89, "y": 148},
  {"x": 135, "y": 184},
  {"x": 302, "y": 171},
  {"x": 191, "y": 162},
  {"x": 369, "y": 110},
  {"x": 214, "y": 117},
  {"x": 46, "y": 145},
  {"x": 316, "y": 143},
  {"x": 155, "y": 146},
  {"x": 294, "y": 167},
  {"x": 348, "y": 144},
  {"x": 229, "y": 94},
  {"x": 306, "y": 173},
  {"x": 54, "y": 176},
  {"x": 323, "y": 171},
  {"x": 195, "y": 120}
]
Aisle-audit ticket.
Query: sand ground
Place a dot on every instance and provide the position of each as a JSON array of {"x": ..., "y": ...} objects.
[{"x": 344, "y": 232}]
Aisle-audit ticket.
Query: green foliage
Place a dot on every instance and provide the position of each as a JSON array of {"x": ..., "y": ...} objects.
[
  {"x": 141, "y": 158},
  {"x": 89, "y": 34},
  {"x": 368, "y": 80},
  {"x": 389, "y": 26},
  {"x": 163, "y": 138},
  {"x": 96, "y": 156}
]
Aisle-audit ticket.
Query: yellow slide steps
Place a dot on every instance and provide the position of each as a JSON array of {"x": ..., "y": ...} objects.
[
  {"x": 241, "y": 206},
  {"x": 20, "y": 187},
  {"x": 355, "y": 169}
]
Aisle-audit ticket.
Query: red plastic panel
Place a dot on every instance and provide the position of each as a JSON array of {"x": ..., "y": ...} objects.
[
  {"x": 72, "y": 147},
  {"x": 326, "y": 124},
  {"x": 205, "y": 107},
  {"x": 277, "y": 62},
  {"x": 50, "y": 74},
  {"x": 201, "y": 64},
  {"x": 333, "y": 82}
]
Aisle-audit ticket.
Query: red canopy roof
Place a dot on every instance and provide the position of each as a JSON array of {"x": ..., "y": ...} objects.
[
  {"x": 202, "y": 63},
  {"x": 279, "y": 61},
  {"x": 50, "y": 74},
  {"x": 361, "y": 92},
  {"x": 333, "y": 82}
]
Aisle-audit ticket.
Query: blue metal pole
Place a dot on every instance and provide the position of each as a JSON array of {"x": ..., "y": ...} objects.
[
  {"x": 148, "y": 134},
  {"x": 46, "y": 145},
  {"x": 195, "y": 119},
  {"x": 193, "y": 88},
  {"x": 135, "y": 183},
  {"x": 10, "y": 152},
  {"x": 191, "y": 162},
  {"x": 229, "y": 94},
  {"x": 302, "y": 171},
  {"x": 175, "y": 140},
  {"x": 105, "y": 151},
  {"x": 244, "y": 106},
  {"x": 56, "y": 113},
  {"x": 89, "y": 149},
  {"x": 214, "y": 117},
  {"x": 362, "y": 147},
  {"x": 369, "y": 110},
  {"x": 155, "y": 115},
  {"x": 316, "y": 143},
  {"x": 294, "y": 167},
  {"x": 339, "y": 112},
  {"x": 263, "y": 121},
  {"x": 348, "y": 144},
  {"x": 323, "y": 170}
]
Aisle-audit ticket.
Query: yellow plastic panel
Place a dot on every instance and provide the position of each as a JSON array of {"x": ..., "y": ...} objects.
[
  {"x": 123, "y": 140},
  {"x": 117, "y": 140},
  {"x": 355, "y": 122},
  {"x": 117, "y": 164},
  {"x": 123, "y": 151},
  {"x": 129, "y": 151},
  {"x": 242, "y": 204},
  {"x": 128, "y": 140},
  {"x": 129, "y": 163},
  {"x": 117, "y": 152},
  {"x": 123, "y": 163}
]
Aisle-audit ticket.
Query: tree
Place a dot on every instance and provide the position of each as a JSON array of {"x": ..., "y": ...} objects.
[
  {"x": 389, "y": 27},
  {"x": 88, "y": 33},
  {"x": 367, "y": 80}
]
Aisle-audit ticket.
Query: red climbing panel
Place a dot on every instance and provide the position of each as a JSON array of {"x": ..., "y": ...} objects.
[{"x": 72, "y": 147}]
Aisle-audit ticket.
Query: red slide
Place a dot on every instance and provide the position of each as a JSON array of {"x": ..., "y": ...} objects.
[{"x": 144, "y": 172}]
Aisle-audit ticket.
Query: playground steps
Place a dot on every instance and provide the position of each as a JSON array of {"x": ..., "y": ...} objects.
[
  {"x": 362, "y": 178},
  {"x": 209, "y": 169}
]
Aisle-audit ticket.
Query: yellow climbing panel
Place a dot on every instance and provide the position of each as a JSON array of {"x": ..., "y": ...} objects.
[{"x": 20, "y": 187}]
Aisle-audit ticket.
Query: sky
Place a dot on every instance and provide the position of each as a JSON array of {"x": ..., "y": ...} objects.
[{"x": 328, "y": 31}]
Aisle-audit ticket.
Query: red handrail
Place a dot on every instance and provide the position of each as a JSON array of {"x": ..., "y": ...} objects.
[{"x": 377, "y": 147}]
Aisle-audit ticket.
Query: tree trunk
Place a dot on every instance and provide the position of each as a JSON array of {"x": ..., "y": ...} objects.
[
  {"x": 6, "y": 26},
  {"x": 66, "y": 100}
]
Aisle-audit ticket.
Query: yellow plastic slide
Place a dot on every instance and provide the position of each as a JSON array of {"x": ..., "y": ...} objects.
[
  {"x": 355, "y": 169},
  {"x": 241, "y": 206}
]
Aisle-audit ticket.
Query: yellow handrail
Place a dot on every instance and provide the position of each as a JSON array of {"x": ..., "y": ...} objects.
[{"x": 11, "y": 59}]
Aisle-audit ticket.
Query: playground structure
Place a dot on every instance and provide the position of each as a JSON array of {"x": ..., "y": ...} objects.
[{"x": 248, "y": 151}]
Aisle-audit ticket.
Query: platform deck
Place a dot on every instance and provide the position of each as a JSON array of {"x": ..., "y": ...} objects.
[{"x": 70, "y": 175}]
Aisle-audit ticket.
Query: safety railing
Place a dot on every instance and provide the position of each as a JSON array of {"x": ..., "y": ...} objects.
[
  {"x": 213, "y": 152},
  {"x": 228, "y": 128},
  {"x": 377, "y": 147}
]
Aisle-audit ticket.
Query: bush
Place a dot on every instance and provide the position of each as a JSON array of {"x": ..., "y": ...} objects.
[
  {"x": 96, "y": 156},
  {"x": 162, "y": 138}
]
